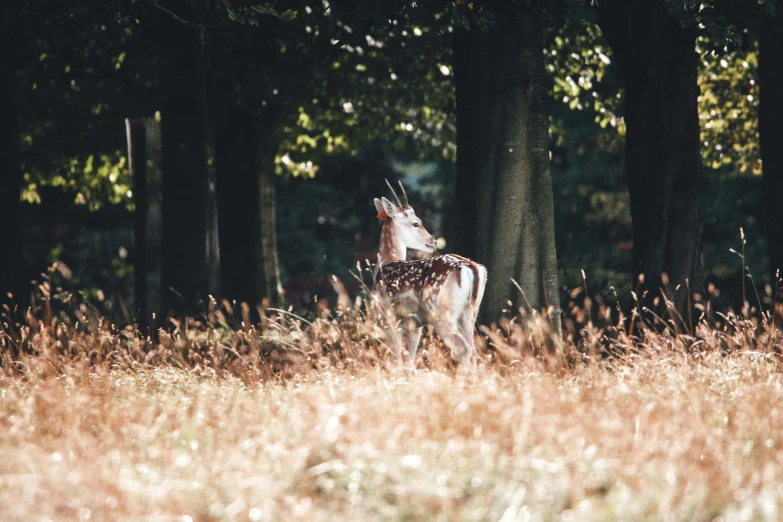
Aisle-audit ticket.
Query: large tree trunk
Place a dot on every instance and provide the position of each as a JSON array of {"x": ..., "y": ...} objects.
[
  {"x": 236, "y": 198},
  {"x": 10, "y": 171},
  {"x": 245, "y": 152},
  {"x": 466, "y": 201},
  {"x": 771, "y": 130},
  {"x": 184, "y": 164},
  {"x": 659, "y": 66},
  {"x": 511, "y": 164},
  {"x": 246, "y": 142}
]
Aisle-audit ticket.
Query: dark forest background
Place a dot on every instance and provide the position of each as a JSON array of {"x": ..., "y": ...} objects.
[{"x": 233, "y": 148}]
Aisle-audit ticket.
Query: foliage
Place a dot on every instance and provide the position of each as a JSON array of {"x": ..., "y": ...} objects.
[
  {"x": 83, "y": 76},
  {"x": 593, "y": 212},
  {"x": 344, "y": 77},
  {"x": 387, "y": 81},
  {"x": 247, "y": 13},
  {"x": 578, "y": 59},
  {"x": 593, "y": 223},
  {"x": 86, "y": 252},
  {"x": 340, "y": 88},
  {"x": 729, "y": 105}
]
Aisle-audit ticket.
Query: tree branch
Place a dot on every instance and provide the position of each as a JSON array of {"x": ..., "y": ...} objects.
[{"x": 177, "y": 18}]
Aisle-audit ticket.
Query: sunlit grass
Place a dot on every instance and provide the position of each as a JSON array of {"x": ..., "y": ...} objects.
[{"x": 301, "y": 419}]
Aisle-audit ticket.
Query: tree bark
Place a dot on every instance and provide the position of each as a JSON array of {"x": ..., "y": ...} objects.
[
  {"x": 511, "y": 165},
  {"x": 245, "y": 152},
  {"x": 10, "y": 170},
  {"x": 466, "y": 200},
  {"x": 771, "y": 137},
  {"x": 208, "y": 86},
  {"x": 236, "y": 189},
  {"x": 659, "y": 65},
  {"x": 184, "y": 164},
  {"x": 267, "y": 266},
  {"x": 246, "y": 142},
  {"x": 136, "y": 132}
]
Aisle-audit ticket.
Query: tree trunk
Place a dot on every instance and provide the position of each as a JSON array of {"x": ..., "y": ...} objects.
[
  {"x": 771, "y": 136},
  {"x": 237, "y": 189},
  {"x": 244, "y": 157},
  {"x": 511, "y": 165},
  {"x": 184, "y": 164},
  {"x": 246, "y": 142},
  {"x": 466, "y": 201},
  {"x": 659, "y": 66},
  {"x": 10, "y": 171},
  {"x": 267, "y": 266},
  {"x": 208, "y": 85},
  {"x": 136, "y": 131}
]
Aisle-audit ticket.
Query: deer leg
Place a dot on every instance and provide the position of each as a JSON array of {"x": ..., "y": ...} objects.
[
  {"x": 467, "y": 326},
  {"x": 446, "y": 315},
  {"x": 395, "y": 344},
  {"x": 414, "y": 337},
  {"x": 461, "y": 350}
]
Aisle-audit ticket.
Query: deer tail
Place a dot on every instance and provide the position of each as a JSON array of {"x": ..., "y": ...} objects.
[{"x": 479, "y": 282}]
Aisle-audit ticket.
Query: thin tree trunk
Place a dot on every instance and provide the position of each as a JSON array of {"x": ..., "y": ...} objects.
[
  {"x": 237, "y": 187},
  {"x": 246, "y": 208},
  {"x": 268, "y": 267},
  {"x": 154, "y": 233},
  {"x": 10, "y": 171},
  {"x": 771, "y": 136},
  {"x": 184, "y": 165},
  {"x": 659, "y": 66},
  {"x": 208, "y": 86},
  {"x": 511, "y": 153},
  {"x": 136, "y": 131},
  {"x": 466, "y": 199}
]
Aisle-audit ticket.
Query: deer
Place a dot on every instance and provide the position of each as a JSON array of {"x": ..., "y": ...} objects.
[{"x": 443, "y": 291}]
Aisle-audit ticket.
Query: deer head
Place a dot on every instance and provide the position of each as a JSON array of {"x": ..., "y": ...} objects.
[{"x": 407, "y": 227}]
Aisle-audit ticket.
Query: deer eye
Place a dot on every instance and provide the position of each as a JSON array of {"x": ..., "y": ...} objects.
[{"x": 416, "y": 225}]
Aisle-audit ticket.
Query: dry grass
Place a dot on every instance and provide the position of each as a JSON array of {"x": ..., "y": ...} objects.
[{"x": 298, "y": 419}]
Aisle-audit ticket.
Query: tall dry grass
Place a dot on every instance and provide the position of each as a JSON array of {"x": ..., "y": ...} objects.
[{"x": 220, "y": 417}]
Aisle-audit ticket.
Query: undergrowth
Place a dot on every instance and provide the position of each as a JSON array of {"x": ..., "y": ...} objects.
[{"x": 240, "y": 414}]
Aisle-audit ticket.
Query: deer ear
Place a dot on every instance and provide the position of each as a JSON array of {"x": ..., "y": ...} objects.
[
  {"x": 390, "y": 208},
  {"x": 379, "y": 207}
]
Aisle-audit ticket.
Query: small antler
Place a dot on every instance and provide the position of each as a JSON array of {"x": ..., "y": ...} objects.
[
  {"x": 404, "y": 196},
  {"x": 394, "y": 193}
]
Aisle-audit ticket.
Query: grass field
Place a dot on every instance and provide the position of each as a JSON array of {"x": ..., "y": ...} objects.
[{"x": 301, "y": 420}]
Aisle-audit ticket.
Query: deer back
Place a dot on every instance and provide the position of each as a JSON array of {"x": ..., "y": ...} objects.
[{"x": 420, "y": 276}]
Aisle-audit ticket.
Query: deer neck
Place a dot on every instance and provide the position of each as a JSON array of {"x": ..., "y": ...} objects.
[{"x": 392, "y": 246}]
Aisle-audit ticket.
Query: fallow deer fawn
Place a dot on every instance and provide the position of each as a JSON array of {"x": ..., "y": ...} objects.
[{"x": 443, "y": 291}]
